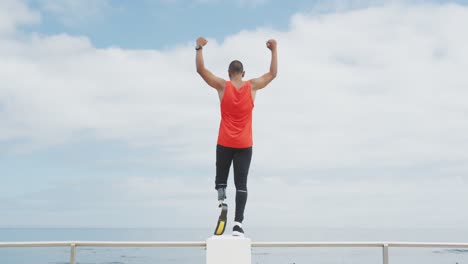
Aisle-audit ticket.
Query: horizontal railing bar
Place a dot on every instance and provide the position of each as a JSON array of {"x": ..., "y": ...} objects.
[
  {"x": 203, "y": 244},
  {"x": 429, "y": 244},
  {"x": 36, "y": 244},
  {"x": 103, "y": 244},
  {"x": 140, "y": 244},
  {"x": 316, "y": 244},
  {"x": 359, "y": 244}
]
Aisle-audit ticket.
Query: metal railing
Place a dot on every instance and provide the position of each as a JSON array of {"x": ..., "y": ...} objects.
[{"x": 384, "y": 245}]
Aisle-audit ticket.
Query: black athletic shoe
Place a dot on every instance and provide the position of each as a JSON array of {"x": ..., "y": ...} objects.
[{"x": 237, "y": 231}]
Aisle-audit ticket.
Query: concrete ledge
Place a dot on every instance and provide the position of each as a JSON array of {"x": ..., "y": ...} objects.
[{"x": 228, "y": 250}]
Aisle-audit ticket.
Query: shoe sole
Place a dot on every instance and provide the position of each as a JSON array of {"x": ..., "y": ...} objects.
[{"x": 237, "y": 233}]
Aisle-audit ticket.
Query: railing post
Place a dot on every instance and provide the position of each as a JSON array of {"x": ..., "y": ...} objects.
[
  {"x": 72, "y": 253},
  {"x": 385, "y": 253}
]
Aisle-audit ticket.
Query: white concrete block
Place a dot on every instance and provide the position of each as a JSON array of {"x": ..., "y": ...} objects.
[{"x": 228, "y": 250}]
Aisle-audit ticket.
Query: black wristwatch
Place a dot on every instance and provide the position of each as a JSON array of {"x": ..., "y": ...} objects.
[{"x": 198, "y": 47}]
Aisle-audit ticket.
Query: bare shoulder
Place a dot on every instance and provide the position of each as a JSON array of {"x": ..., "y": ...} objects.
[
  {"x": 253, "y": 83},
  {"x": 212, "y": 80},
  {"x": 261, "y": 82},
  {"x": 221, "y": 84}
]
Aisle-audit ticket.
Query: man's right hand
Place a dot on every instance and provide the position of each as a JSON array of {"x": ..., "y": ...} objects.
[{"x": 201, "y": 41}]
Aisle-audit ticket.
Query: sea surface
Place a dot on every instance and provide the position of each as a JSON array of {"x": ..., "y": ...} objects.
[{"x": 140, "y": 255}]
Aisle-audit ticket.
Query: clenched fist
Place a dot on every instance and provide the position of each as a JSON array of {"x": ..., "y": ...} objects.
[
  {"x": 201, "y": 41},
  {"x": 271, "y": 44}
]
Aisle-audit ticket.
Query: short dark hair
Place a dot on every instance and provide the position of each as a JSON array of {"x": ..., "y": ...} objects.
[{"x": 236, "y": 67}]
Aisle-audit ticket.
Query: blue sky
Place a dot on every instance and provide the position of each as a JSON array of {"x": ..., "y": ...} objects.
[
  {"x": 102, "y": 109},
  {"x": 162, "y": 24}
]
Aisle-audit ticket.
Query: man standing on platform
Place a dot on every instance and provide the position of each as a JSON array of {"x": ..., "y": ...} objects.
[{"x": 234, "y": 145}]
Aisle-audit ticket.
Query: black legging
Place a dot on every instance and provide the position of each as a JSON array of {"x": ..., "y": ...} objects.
[{"x": 241, "y": 158}]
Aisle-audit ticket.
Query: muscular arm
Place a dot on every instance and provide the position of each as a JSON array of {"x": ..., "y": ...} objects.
[
  {"x": 265, "y": 79},
  {"x": 211, "y": 79}
]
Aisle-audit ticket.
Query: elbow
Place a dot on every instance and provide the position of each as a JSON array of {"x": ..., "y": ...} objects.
[
  {"x": 200, "y": 69},
  {"x": 273, "y": 74}
]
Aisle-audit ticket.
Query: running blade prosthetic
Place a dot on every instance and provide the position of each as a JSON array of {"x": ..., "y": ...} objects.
[{"x": 221, "y": 226}]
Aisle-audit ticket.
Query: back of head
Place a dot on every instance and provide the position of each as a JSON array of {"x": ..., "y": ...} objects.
[{"x": 236, "y": 67}]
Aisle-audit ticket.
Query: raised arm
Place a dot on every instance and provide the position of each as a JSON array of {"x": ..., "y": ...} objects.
[
  {"x": 261, "y": 82},
  {"x": 211, "y": 79}
]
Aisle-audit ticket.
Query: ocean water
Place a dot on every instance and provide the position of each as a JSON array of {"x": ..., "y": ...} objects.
[{"x": 132, "y": 255}]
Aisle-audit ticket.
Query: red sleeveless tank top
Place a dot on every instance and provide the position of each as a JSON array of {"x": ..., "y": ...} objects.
[{"x": 235, "y": 130}]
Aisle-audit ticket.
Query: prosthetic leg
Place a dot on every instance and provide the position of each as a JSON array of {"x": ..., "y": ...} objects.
[{"x": 221, "y": 226}]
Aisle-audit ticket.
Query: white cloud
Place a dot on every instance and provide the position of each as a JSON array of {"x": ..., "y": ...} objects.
[
  {"x": 377, "y": 93},
  {"x": 14, "y": 13},
  {"x": 368, "y": 88},
  {"x": 73, "y": 12}
]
